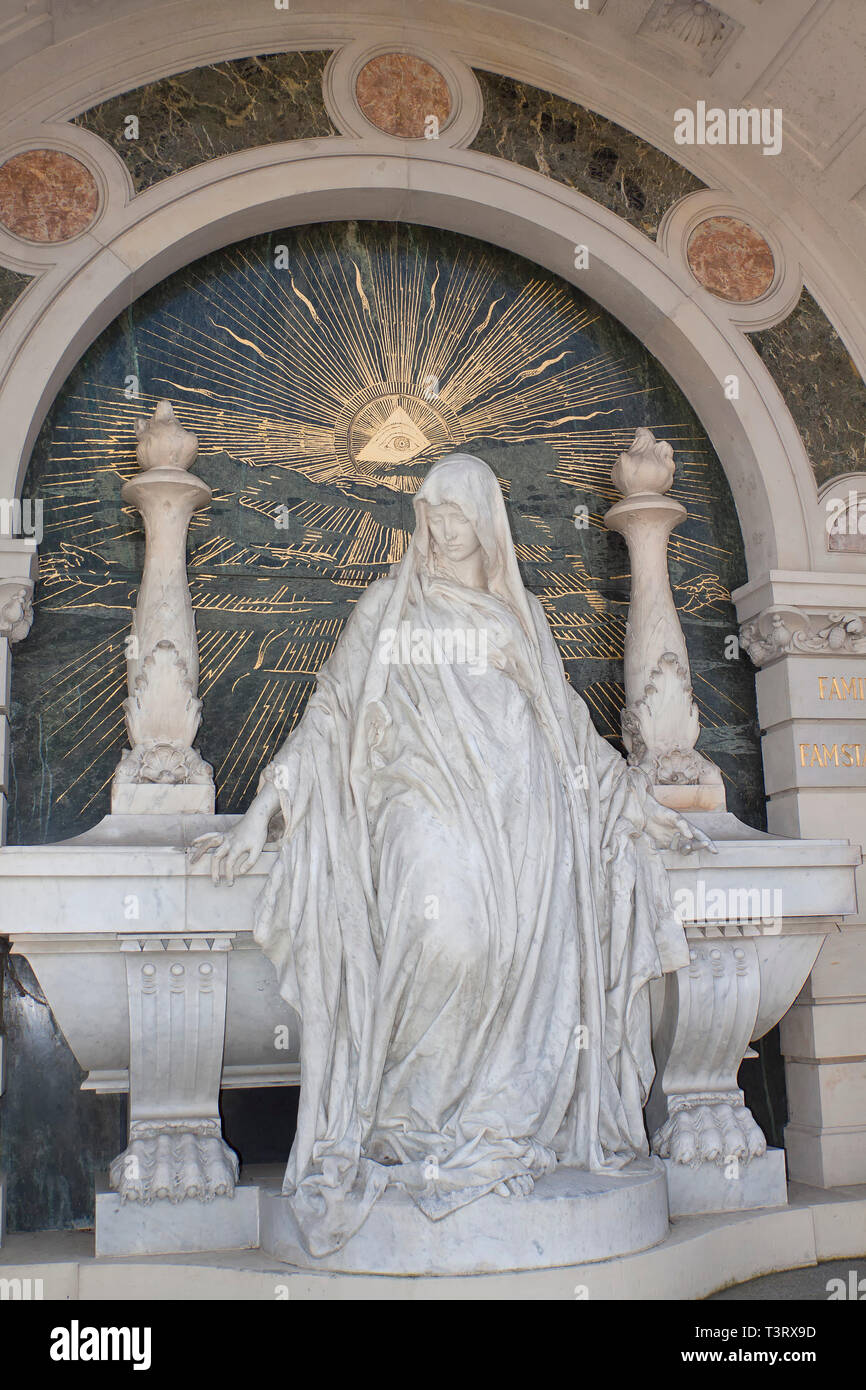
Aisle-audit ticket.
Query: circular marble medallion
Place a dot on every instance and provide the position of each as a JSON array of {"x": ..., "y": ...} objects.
[
  {"x": 398, "y": 92},
  {"x": 731, "y": 260},
  {"x": 46, "y": 196}
]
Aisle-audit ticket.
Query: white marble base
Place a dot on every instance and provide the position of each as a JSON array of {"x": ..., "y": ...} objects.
[
  {"x": 705, "y": 1188},
  {"x": 700, "y": 1255},
  {"x": 707, "y": 796},
  {"x": 157, "y": 798},
  {"x": 165, "y": 1228},
  {"x": 571, "y": 1218}
]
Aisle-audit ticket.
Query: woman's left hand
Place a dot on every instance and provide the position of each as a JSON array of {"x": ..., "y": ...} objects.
[{"x": 669, "y": 830}]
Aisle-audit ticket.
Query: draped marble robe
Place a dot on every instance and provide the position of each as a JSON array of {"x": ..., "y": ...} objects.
[{"x": 464, "y": 910}]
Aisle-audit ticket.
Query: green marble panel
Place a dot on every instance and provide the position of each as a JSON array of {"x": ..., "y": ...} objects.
[
  {"x": 821, "y": 386},
  {"x": 576, "y": 146},
  {"x": 53, "y": 1136},
  {"x": 12, "y": 284},
  {"x": 210, "y": 111},
  {"x": 292, "y": 356}
]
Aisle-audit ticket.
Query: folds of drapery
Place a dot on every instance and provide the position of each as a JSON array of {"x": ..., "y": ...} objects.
[
  {"x": 318, "y": 917},
  {"x": 318, "y": 922}
]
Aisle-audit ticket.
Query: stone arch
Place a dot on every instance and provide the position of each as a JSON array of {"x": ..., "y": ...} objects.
[{"x": 141, "y": 240}]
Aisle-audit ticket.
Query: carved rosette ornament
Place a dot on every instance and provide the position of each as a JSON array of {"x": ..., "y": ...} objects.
[
  {"x": 693, "y": 21},
  {"x": 693, "y": 30},
  {"x": 660, "y": 724},
  {"x": 161, "y": 770},
  {"x": 781, "y": 631},
  {"x": 16, "y": 608}
]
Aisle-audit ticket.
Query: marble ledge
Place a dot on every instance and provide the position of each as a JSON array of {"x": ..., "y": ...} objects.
[
  {"x": 80, "y": 886},
  {"x": 833, "y": 590},
  {"x": 700, "y": 1255}
]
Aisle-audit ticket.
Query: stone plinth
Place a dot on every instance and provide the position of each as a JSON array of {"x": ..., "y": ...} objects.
[
  {"x": 695, "y": 1191},
  {"x": 806, "y": 633},
  {"x": 572, "y": 1217},
  {"x": 162, "y": 1227}
]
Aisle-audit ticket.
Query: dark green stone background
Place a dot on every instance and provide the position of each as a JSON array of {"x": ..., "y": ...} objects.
[
  {"x": 822, "y": 387},
  {"x": 206, "y": 112},
  {"x": 12, "y": 284},
  {"x": 86, "y": 1130},
  {"x": 578, "y": 147},
  {"x": 93, "y": 604}
]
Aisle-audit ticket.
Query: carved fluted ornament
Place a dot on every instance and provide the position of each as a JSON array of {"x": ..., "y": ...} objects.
[{"x": 648, "y": 466}]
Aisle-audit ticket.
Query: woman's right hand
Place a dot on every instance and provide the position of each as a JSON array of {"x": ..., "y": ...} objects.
[{"x": 238, "y": 849}]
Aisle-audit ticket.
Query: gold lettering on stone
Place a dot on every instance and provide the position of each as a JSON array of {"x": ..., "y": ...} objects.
[
  {"x": 837, "y": 754},
  {"x": 838, "y": 688}
]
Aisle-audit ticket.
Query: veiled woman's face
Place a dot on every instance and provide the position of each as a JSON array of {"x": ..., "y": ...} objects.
[{"x": 453, "y": 536}]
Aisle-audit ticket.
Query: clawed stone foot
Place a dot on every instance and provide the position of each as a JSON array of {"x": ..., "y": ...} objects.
[
  {"x": 712, "y": 1133},
  {"x": 519, "y": 1186},
  {"x": 174, "y": 1164}
]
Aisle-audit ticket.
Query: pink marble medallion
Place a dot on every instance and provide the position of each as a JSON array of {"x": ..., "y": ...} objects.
[
  {"x": 46, "y": 195},
  {"x": 731, "y": 259},
  {"x": 397, "y": 92}
]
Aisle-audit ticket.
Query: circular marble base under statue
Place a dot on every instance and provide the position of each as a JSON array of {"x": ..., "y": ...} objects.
[{"x": 571, "y": 1218}]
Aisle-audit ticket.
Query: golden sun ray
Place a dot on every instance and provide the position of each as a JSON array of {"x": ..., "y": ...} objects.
[{"x": 320, "y": 395}]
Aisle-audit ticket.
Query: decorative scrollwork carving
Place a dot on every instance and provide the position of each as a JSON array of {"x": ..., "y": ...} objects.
[
  {"x": 782, "y": 631},
  {"x": 16, "y": 609}
]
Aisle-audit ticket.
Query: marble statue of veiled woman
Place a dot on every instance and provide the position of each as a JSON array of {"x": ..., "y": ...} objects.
[{"x": 466, "y": 904}]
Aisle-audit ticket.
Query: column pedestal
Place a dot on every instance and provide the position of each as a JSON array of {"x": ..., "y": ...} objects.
[{"x": 811, "y": 687}]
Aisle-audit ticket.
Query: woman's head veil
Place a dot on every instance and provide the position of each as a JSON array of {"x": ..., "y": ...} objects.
[{"x": 469, "y": 483}]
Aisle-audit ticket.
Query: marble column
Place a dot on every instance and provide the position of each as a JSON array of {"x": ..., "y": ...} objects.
[
  {"x": 176, "y": 986},
  {"x": 660, "y": 724},
  {"x": 18, "y": 567},
  {"x": 162, "y": 771}
]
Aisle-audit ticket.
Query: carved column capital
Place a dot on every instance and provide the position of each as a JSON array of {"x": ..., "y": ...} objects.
[
  {"x": 16, "y": 608},
  {"x": 782, "y": 630}
]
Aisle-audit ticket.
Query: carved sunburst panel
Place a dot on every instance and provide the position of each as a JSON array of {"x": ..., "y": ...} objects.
[{"x": 324, "y": 370}]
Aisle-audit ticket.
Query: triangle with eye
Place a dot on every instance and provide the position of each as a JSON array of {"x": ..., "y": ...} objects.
[{"x": 396, "y": 441}]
